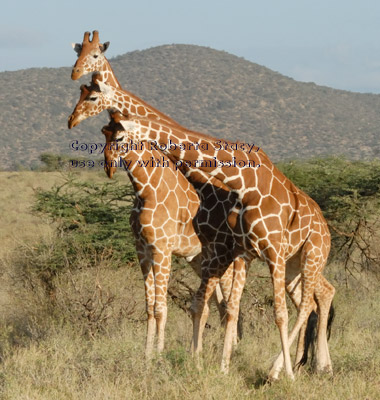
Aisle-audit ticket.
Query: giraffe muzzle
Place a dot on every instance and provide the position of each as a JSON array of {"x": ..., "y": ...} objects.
[
  {"x": 73, "y": 121},
  {"x": 76, "y": 73}
]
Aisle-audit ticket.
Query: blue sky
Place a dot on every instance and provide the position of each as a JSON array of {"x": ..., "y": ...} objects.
[{"x": 330, "y": 42}]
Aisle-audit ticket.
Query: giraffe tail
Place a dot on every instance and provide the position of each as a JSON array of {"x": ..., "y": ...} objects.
[
  {"x": 310, "y": 334},
  {"x": 240, "y": 325}
]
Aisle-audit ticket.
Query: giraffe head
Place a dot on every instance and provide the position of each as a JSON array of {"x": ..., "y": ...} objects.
[
  {"x": 109, "y": 131},
  {"x": 114, "y": 135},
  {"x": 90, "y": 55},
  {"x": 92, "y": 101}
]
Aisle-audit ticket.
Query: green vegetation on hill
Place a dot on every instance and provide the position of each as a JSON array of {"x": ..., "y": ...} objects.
[{"x": 204, "y": 89}]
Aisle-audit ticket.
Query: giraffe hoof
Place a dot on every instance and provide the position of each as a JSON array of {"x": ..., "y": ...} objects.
[
  {"x": 224, "y": 369},
  {"x": 272, "y": 377},
  {"x": 325, "y": 370}
]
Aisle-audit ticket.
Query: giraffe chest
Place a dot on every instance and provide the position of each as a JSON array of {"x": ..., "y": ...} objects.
[{"x": 156, "y": 224}]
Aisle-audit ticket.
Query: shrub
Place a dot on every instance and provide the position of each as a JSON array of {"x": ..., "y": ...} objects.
[
  {"x": 347, "y": 192},
  {"x": 92, "y": 223}
]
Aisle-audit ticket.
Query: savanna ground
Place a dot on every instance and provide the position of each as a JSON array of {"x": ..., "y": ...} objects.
[{"x": 72, "y": 322}]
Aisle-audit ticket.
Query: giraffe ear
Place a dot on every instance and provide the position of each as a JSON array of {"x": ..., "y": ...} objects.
[
  {"x": 77, "y": 47},
  {"x": 103, "y": 47},
  {"x": 96, "y": 78},
  {"x": 129, "y": 125},
  {"x": 105, "y": 89}
]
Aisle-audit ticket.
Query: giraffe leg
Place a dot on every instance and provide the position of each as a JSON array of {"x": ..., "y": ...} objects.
[
  {"x": 161, "y": 270},
  {"x": 218, "y": 296},
  {"x": 276, "y": 264},
  {"x": 200, "y": 310},
  {"x": 149, "y": 302},
  {"x": 300, "y": 347},
  {"x": 233, "y": 305},
  {"x": 294, "y": 290},
  {"x": 144, "y": 256},
  {"x": 312, "y": 263},
  {"x": 226, "y": 288},
  {"x": 324, "y": 294},
  {"x": 220, "y": 303},
  {"x": 299, "y": 328}
]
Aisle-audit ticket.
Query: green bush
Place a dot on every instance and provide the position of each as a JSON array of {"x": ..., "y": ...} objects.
[
  {"x": 93, "y": 219},
  {"x": 92, "y": 222},
  {"x": 348, "y": 194}
]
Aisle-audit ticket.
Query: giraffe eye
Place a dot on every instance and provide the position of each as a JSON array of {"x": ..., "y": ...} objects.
[
  {"x": 118, "y": 139},
  {"x": 93, "y": 98},
  {"x": 96, "y": 55}
]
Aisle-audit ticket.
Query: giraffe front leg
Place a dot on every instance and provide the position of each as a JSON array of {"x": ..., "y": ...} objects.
[
  {"x": 233, "y": 305},
  {"x": 294, "y": 290},
  {"x": 218, "y": 296},
  {"x": 220, "y": 303},
  {"x": 200, "y": 310},
  {"x": 145, "y": 256},
  {"x": 149, "y": 303},
  {"x": 161, "y": 271}
]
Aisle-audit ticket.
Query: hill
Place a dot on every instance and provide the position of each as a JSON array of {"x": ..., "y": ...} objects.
[{"x": 204, "y": 89}]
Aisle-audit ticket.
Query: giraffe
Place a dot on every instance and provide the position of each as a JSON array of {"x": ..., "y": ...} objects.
[
  {"x": 162, "y": 223},
  {"x": 92, "y": 102},
  {"x": 161, "y": 220},
  {"x": 275, "y": 221}
]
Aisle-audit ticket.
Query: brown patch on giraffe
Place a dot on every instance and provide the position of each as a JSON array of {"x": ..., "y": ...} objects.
[
  {"x": 277, "y": 191},
  {"x": 221, "y": 154},
  {"x": 141, "y": 111}
]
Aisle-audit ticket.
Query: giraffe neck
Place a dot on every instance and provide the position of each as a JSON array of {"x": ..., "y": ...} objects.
[
  {"x": 108, "y": 75},
  {"x": 141, "y": 164},
  {"x": 129, "y": 104}
]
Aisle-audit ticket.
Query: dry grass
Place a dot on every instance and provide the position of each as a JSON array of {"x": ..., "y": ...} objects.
[{"x": 88, "y": 342}]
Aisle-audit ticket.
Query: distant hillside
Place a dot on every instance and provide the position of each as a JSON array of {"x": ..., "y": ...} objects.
[{"x": 204, "y": 89}]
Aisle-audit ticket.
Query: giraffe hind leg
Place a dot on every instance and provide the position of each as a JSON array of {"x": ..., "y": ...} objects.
[
  {"x": 312, "y": 263},
  {"x": 324, "y": 294},
  {"x": 276, "y": 262}
]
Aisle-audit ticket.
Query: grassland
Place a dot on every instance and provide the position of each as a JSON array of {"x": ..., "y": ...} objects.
[{"x": 87, "y": 340}]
